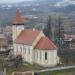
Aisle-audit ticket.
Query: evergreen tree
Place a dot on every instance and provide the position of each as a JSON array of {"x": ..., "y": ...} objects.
[
  {"x": 58, "y": 35},
  {"x": 48, "y": 31},
  {"x": 61, "y": 27}
]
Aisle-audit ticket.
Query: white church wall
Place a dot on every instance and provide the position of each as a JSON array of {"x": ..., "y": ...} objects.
[
  {"x": 51, "y": 57},
  {"x": 26, "y": 52}
]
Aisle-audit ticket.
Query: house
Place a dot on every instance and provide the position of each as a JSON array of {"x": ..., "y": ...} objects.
[
  {"x": 33, "y": 45},
  {"x": 7, "y": 30},
  {"x": 3, "y": 42},
  {"x": 69, "y": 40}
]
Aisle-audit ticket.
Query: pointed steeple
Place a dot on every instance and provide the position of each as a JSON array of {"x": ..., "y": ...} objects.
[
  {"x": 18, "y": 20},
  {"x": 18, "y": 25}
]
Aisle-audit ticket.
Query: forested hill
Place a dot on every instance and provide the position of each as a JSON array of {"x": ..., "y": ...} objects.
[{"x": 36, "y": 7}]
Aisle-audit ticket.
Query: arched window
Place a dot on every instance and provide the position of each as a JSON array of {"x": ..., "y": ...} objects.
[
  {"x": 21, "y": 49},
  {"x": 45, "y": 55},
  {"x": 24, "y": 48},
  {"x": 40, "y": 55},
  {"x": 29, "y": 50},
  {"x": 16, "y": 50},
  {"x": 37, "y": 54}
]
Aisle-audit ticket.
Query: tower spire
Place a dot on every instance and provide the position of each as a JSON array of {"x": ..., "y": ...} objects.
[
  {"x": 18, "y": 24},
  {"x": 18, "y": 18}
]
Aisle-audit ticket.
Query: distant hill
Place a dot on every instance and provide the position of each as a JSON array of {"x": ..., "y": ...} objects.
[
  {"x": 65, "y": 3},
  {"x": 66, "y": 9},
  {"x": 35, "y": 7}
]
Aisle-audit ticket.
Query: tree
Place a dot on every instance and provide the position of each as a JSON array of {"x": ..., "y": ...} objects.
[
  {"x": 48, "y": 31},
  {"x": 18, "y": 60},
  {"x": 60, "y": 32}
]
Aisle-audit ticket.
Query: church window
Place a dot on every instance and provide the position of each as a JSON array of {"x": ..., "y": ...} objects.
[
  {"x": 45, "y": 55},
  {"x": 37, "y": 54},
  {"x": 40, "y": 55},
  {"x": 21, "y": 49}
]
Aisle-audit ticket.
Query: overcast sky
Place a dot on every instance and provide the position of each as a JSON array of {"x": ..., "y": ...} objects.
[{"x": 11, "y": 1}]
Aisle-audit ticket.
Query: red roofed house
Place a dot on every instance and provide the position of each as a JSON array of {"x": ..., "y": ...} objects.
[
  {"x": 3, "y": 42},
  {"x": 69, "y": 40},
  {"x": 33, "y": 45}
]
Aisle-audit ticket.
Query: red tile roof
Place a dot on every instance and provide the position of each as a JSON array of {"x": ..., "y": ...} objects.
[
  {"x": 45, "y": 44},
  {"x": 27, "y": 36},
  {"x": 18, "y": 18},
  {"x": 67, "y": 37}
]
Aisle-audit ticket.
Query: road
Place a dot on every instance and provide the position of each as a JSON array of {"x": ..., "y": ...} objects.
[
  {"x": 1, "y": 72},
  {"x": 55, "y": 69}
]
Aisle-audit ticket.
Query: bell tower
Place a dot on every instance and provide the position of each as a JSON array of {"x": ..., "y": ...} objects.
[{"x": 18, "y": 25}]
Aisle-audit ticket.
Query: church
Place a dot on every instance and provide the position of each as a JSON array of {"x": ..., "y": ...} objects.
[{"x": 32, "y": 44}]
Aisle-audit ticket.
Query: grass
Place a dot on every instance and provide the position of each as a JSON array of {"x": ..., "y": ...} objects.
[
  {"x": 28, "y": 67},
  {"x": 1, "y": 63},
  {"x": 22, "y": 68},
  {"x": 63, "y": 72}
]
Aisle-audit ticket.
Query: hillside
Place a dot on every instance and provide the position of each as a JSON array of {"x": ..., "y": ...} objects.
[{"x": 40, "y": 8}]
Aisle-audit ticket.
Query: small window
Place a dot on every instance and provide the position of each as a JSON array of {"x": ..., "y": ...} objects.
[
  {"x": 37, "y": 54},
  {"x": 17, "y": 51},
  {"x": 21, "y": 49},
  {"x": 17, "y": 48},
  {"x": 25, "y": 50},
  {"x": 45, "y": 55},
  {"x": 40, "y": 55},
  {"x": 29, "y": 50}
]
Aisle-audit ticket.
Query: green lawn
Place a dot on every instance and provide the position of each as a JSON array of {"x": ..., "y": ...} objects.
[
  {"x": 1, "y": 63},
  {"x": 64, "y": 72},
  {"x": 22, "y": 68},
  {"x": 29, "y": 67}
]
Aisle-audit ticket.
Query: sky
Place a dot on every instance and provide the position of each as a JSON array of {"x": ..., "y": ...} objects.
[{"x": 12, "y": 1}]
